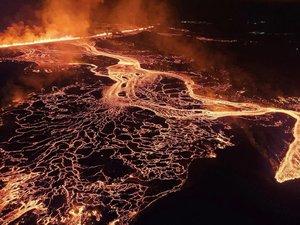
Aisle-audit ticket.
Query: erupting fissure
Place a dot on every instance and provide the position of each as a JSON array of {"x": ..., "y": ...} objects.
[
  {"x": 72, "y": 38},
  {"x": 78, "y": 158}
]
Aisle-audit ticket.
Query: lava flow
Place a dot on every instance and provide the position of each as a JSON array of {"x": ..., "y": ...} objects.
[
  {"x": 72, "y": 38},
  {"x": 103, "y": 148},
  {"x": 289, "y": 168},
  {"x": 42, "y": 41}
]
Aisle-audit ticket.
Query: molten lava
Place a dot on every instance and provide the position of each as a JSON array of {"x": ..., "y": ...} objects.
[
  {"x": 290, "y": 166},
  {"x": 71, "y": 38},
  {"x": 75, "y": 157},
  {"x": 42, "y": 41}
]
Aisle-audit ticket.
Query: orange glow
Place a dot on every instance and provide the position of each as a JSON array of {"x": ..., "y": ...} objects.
[
  {"x": 76, "y": 215},
  {"x": 57, "y": 19},
  {"x": 71, "y": 38},
  {"x": 289, "y": 167},
  {"x": 129, "y": 78},
  {"x": 40, "y": 41},
  {"x": 11, "y": 194}
]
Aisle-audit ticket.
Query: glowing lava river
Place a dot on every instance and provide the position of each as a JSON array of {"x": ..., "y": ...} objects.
[{"x": 102, "y": 148}]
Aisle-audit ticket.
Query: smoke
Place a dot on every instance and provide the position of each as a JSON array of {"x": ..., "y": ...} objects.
[
  {"x": 48, "y": 19},
  {"x": 67, "y": 17},
  {"x": 56, "y": 18},
  {"x": 136, "y": 12},
  {"x": 59, "y": 18},
  {"x": 127, "y": 14}
]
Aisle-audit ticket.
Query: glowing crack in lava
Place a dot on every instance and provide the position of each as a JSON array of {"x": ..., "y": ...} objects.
[{"x": 100, "y": 152}]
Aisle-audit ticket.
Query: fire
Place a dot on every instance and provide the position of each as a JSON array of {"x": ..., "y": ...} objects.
[
  {"x": 11, "y": 193},
  {"x": 130, "y": 78},
  {"x": 41, "y": 41},
  {"x": 76, "y": 215},
  {"x": 290, "y": 166},
  {"x": 74, "y": 38},
  {"x": 114, "y": 222},
  {"x": 55, "y": 21},
  {"x": 58, "y": 20},
  {"x": 60, "y": 152}
]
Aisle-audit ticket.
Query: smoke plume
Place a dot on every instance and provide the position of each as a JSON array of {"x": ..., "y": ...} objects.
[
  {"x": 55, "y": 19},
  {"x": 59, "y": 18}
]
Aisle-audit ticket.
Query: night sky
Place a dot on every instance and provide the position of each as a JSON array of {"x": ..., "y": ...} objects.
[{"x": 194, "y": 9}]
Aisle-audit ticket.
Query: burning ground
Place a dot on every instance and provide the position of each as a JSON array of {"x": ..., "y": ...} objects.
[{"x": 106, "y": 137}]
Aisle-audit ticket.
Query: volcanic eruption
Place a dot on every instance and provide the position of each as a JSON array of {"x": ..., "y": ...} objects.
[{"x": 111, "y": 129}]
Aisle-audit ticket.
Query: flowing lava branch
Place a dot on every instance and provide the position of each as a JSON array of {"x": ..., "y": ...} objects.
[{"x": 93, "y": 152}]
